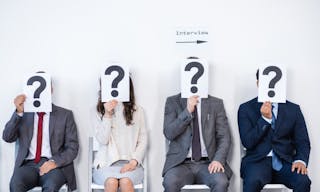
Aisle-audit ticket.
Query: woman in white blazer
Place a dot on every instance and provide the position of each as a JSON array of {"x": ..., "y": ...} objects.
[{"x": 121, "y": 133}]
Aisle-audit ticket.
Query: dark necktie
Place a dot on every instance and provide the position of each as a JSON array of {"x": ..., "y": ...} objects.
[
  {"x": 39, "y": 137},
  {"x": 196, "y": 146},
  {"x": 276, "y": 161}
]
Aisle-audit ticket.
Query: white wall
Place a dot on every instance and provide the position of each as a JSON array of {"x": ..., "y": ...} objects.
[{"x": 72, "y": 39}]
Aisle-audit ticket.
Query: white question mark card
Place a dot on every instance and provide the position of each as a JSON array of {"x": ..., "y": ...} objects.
[
  {"x": 37, "y": 88},
  {"x": 194, "y": 78},
  {"x": 272, "y": 83},
  {"x": 115, "y": 83}
]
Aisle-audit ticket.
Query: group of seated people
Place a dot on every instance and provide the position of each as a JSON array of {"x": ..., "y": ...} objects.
[{"x": 274, "y": 136}]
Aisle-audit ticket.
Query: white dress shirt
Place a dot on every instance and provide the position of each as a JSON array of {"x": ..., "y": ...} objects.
[{"x": 45, "y": 149}]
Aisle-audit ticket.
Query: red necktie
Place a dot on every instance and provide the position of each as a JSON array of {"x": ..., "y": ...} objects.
[{"x": 39, "y": 137}]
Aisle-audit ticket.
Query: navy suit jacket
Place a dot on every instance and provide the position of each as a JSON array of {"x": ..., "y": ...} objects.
[{"x": 289, "y": 139}]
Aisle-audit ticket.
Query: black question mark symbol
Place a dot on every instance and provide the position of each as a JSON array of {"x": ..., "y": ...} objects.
[
  {"x": 39, "y": 90},
  {"x": 116, "y": 81},
  {"x": 196, "y": 76},
  {"x": 274, "y": 80}
]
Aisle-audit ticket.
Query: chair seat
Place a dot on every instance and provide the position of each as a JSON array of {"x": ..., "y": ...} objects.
[
  {"x": 274, "y": 186},
  {"x": 96, "y": 186},
  {"x": 63, "y": 188},
  {"x": 195, "y": 187}
]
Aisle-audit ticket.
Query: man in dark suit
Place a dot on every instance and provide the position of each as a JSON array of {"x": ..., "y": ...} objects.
[
  {"x": 198, "y": 149},
  {"x": 46, "y": 161},
  {"x": 277, "y": 145}
]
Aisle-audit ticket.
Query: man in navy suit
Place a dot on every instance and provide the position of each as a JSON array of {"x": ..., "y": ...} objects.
[{"x": 277, "y": 145}]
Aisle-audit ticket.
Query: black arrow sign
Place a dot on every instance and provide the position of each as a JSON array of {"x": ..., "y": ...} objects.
[{"x": 197, "y": 41}]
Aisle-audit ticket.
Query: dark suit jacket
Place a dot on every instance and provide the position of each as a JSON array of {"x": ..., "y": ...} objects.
[
  {"x": 63, "y": 139},
  {"x": 289, "y": 140},
  {"x": 178, "y": 130}
]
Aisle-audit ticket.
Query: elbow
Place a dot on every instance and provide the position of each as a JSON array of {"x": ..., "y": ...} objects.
[
  {"x": 168, "y": 135},
  {"x": 248, "y": 145},
  {"x": 8, "y": 139}
]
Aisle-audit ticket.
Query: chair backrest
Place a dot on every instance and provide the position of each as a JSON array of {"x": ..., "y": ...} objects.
[{"x": 93, "y": 149}]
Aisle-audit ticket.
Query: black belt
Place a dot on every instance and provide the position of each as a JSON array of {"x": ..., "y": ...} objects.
[{"x": 201, "y": 159}]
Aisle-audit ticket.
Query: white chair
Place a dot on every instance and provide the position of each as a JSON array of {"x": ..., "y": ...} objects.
[
  {"x": 267, "y": 187},
  {"x": 278, "y": 187},
  {"x": 93, "y": 148},
  {"x": 196, "y": 187},
  {"x": 64, "y": 188}
]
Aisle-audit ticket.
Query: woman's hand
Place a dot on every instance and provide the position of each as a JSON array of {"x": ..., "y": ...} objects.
[
  {"x": 129, "y": 166},
  {"x": 109, "y": 107}
]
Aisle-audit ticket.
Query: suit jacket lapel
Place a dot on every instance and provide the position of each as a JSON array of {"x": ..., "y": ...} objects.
[
  {"x": 204, "y": 113},
  {"x": 281, "y": 115},
  {"x": 52, "y": 120},
  {"x": 30, "y": 124},
  {"x": 258, "y": 107},
  {"x": 183, "y": 102}
]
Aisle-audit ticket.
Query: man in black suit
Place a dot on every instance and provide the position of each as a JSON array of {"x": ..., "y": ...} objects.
[
  {"x": 46, "y": 161},
  {"x": 277, "y": 145}
]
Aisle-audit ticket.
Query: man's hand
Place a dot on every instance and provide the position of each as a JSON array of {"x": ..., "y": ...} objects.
[
  {"x": 301, "y": 168},
  {"x": 46, "y": 167},
  {"x": 192, "y": 102},
  {"x": 109, "y": 107},
  {"x": 129, "y": 166},
  {"x": 18, "y": 102},
  {"x": 266, "y": 110},
  {"x": 215, "y": 167}
]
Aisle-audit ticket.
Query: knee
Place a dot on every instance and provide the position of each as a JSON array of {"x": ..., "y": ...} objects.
[
  {"x": 219, "y": 183},
  {"x": 303, "y": 183},
  {"x": 172, "y": 183},
  {"x": 17, "y": 185},
  {"x": 222, "y": 184},
  {"x": 51, "y": 187},
  {"x": 252, "y": 183},
  {"x": 111, "y": 183},
  {"x": 125, "y": 182}
]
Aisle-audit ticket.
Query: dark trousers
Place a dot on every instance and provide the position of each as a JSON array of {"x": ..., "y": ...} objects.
[
  {"x": 256, "y": 175},
  {"x": 27, "y": 177},
  {"x": 190, "y": 172}
]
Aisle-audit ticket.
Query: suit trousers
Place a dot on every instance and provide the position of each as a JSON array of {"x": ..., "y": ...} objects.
[
  {"x": 190, "y": 172},
  {"x": 256, "y": 175},
  {"x": 27, "y": 177}
]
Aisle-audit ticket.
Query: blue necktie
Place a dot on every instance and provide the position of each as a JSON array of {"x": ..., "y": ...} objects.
[{"x": 276, "y": 161}]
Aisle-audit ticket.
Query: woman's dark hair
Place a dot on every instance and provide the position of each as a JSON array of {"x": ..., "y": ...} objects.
[{"x": 128, "y": 107}]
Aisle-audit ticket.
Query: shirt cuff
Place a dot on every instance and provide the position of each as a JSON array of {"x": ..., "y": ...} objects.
[
  {"x": 300, "y": 161},
  {"x": 267, "y": 119}
]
